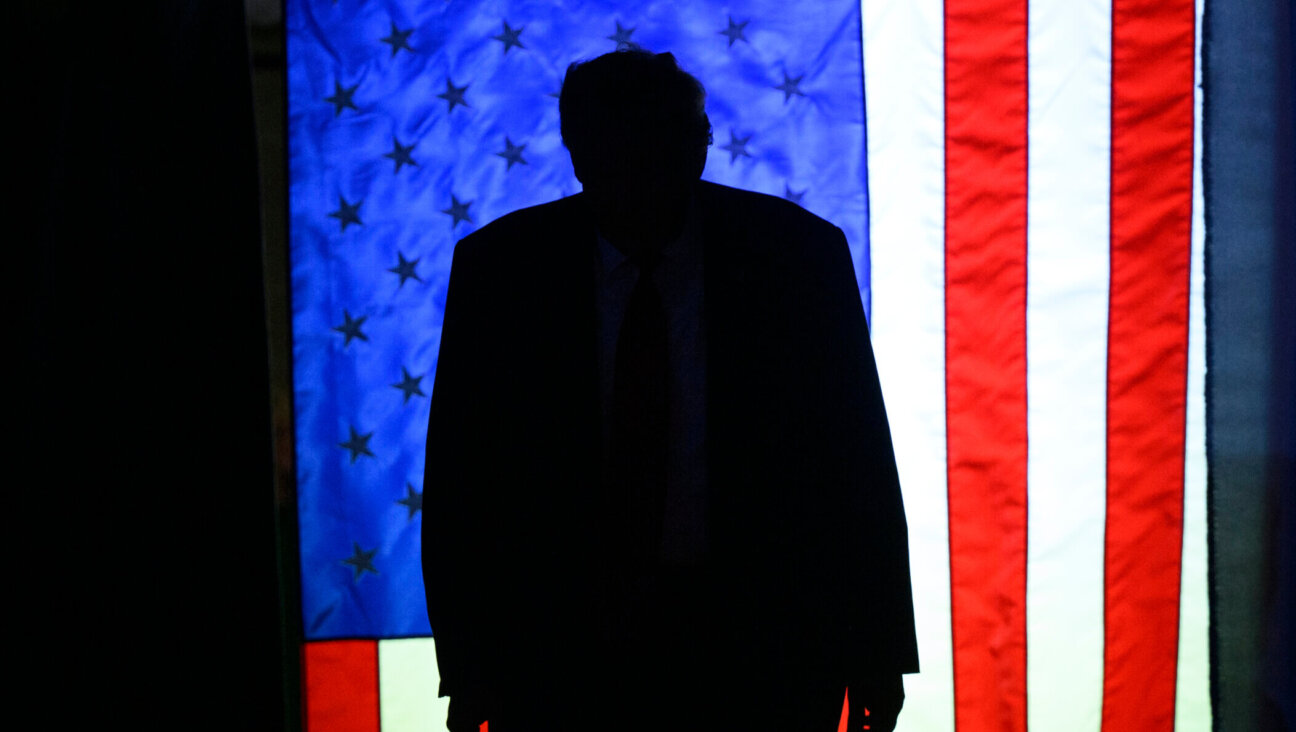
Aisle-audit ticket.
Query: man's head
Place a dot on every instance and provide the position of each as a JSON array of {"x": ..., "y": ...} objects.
[{"x": 637, "y": 130}]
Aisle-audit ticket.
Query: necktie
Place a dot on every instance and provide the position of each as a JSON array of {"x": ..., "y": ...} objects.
[{"x": 639, "y": 420}]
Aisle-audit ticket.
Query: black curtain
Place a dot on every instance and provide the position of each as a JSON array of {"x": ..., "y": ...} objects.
[
  {"x": 1249, "y": 164},
  {"x": 141, "y": 499}
]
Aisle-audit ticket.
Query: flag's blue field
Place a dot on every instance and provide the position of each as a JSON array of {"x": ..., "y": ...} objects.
[{"x": 410, "y": 125}]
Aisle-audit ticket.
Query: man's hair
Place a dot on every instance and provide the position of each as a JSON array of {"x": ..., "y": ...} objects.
[{"x": 637, "y": 99}]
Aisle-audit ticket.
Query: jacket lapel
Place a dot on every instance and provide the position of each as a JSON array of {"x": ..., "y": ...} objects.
[
  {"x": 570, "y": 318},
  {"x": 727, "y": 311}
]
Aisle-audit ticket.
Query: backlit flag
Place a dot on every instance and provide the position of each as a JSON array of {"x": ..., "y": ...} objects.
[
  {"x": 1025, "y": 223},
  {"x": 1037, "y": 314}
]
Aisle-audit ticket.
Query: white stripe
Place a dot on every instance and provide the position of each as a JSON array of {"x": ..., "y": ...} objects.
[
  {"x": 1192, "y": 695},
  {"x": 904, "y": 97},
  {"x": 407, "y": 686},
  {"x": 1066, "y": 350}
]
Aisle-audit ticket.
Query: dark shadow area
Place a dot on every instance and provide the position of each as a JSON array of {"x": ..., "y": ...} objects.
[
  {"x": 146, "y": 499},
  {"x": 1280, "y": 637}
]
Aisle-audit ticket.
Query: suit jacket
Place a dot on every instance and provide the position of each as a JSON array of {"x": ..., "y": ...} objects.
[{"x": 808, "y": 545}]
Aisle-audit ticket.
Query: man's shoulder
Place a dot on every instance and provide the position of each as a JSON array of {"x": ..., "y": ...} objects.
[
  {"x": 760, "y": 212},
  {"x": 756, "y": 218},
  {"x": 525, "y": 230},
  {"x": 762, "y": 227},
  {"x": 723, "y": 196}
]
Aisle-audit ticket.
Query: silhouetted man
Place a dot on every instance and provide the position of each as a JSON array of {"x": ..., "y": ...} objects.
[{"x": 661, "y": 493}]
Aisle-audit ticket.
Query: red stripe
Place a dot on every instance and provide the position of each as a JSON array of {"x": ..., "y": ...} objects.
[
  {"x": 845, "y": 715},
  {"x": 341, "y": 686},
  {"x": 1147, "y": 356},
  {"x": 985, "y": 356}
]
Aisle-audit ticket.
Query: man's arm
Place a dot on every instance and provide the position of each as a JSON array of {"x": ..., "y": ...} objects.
[
  {"x": 883, "y": 639},
  {"x": 453, "y": 534}
]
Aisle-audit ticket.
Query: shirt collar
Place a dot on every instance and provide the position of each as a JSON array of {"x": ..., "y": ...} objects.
[{"x": 610, "y": 258}]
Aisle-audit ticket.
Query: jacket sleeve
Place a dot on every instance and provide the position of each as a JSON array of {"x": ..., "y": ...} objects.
[
  {"x": 454, "y": 539},
  {"x": 881, "y": 630}
]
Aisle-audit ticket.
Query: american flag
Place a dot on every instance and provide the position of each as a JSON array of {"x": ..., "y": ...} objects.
[
  {"x": 1037, "y": 286},
  {"x": 1023, "y": 205}
]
